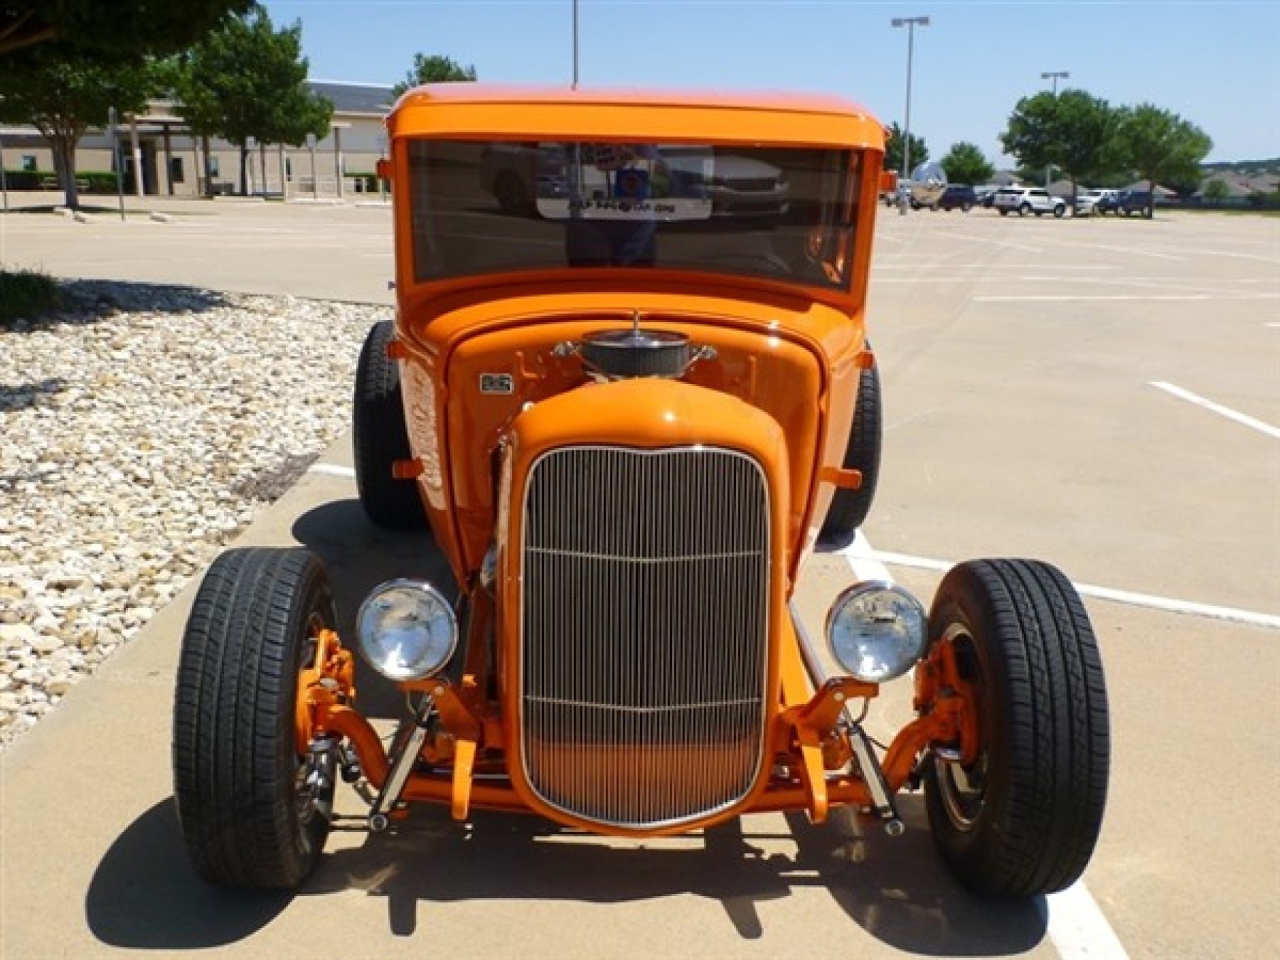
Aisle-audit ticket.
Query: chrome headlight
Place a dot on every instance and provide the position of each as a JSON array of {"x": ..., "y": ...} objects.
[
  {"x": 406, "y": 630},
  {"x": 876, "y": 631}
]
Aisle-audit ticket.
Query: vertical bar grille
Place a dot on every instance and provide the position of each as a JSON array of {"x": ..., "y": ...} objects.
[{"x": 645, "y": 632}]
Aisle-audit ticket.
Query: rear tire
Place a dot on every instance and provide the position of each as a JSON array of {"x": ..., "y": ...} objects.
[
  {"x": 1023, "y": 818},
  {"x": 379, "y": 437},
  {"x": 849, "y": 508},
  {"x": 247, "y": 812}
]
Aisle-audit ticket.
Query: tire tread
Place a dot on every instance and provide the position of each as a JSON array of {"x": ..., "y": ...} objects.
[
  {"x": 233, "y": 753},
  {"x": 1048, "y": 803}
]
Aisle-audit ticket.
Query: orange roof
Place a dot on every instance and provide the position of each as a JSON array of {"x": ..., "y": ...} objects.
[{"x": 505, "y": 112}]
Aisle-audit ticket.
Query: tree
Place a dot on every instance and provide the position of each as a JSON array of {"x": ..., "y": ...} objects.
[
  {"x": 1217, "y": 191},
  {"x": 433, "y": 69},
  {"x": 122, "y": 30},
  {"x": 893, "y": 151},
  {"x": 1160, "y": 145},
  {"x": 249, "y": 80},
  {"x": 1073, "y": 131},
  {"x": 1032, "y": 133},
  {"x": 964, "y": 163},
  {"x": 62, "y": 96}
]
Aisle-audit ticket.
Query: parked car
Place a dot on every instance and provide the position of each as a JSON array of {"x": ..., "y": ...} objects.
[
  {"x": 1095, "y": 200},
  {"x": 956, "y": 195},
  {"x": 986, "y": 195},
  {"x": 1130, "y": 202},
  {"x": 737, "y": 185},
  {"x": 1024, "y": 200},
  {"x": 627, "y": 424}
]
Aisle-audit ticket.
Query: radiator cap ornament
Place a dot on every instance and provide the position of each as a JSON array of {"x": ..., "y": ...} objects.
[{"x": 638, "y": 352}]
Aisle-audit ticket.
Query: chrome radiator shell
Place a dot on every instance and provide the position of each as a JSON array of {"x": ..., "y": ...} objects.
[{"x": 644, "y": 632}]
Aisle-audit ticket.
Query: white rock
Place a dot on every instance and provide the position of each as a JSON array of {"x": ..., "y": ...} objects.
[{"x": 140, "y": 456}]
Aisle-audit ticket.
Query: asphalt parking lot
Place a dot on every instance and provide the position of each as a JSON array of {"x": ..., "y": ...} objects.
[{"x": 1099, "y": 393}]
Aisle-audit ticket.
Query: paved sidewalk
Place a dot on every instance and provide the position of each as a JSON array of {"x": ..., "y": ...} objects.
[{"x": 323, "y": 251}]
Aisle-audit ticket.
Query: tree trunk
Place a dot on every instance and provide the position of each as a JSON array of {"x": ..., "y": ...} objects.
[
  {"x": 244, "y": 170},
  {"x": 64, "y": 165}
]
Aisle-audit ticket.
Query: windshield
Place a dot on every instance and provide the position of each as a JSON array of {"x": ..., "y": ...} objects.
[{"x": 483, "y": 207}]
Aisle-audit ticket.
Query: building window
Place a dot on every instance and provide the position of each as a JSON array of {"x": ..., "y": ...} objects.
[
  {"x": 213, "y": 167},
  {"x": 29, "y": 163},
  {"x": 176, "y": 173}
]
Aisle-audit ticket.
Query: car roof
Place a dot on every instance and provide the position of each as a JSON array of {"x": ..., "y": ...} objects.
[{"x": 517, "y": 112}]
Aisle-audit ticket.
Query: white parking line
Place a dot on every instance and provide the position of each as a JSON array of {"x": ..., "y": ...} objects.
[
  {"x": 1150, "y": 297},
  {"x": 1069, "y": 297},
  {"x": 332, "y": 470},
  {"x": 865, "y": 563},
  {"x": 1078, "y": 929},
  {"x": 862, "y": 552},
  {"x": 1242, "y": 418}
]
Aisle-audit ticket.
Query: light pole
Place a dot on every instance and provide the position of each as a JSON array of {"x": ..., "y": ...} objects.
[
  {"x": 575, "y": 44},
  {"x": 1055, "y": 76},
  {"x": 910, "y": 23}
]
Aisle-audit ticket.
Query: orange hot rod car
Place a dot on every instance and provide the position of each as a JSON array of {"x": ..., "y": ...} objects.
[{"x": 628, "y": 404}]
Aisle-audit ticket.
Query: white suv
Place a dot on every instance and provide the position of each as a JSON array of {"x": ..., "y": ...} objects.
[
  {"x": 1024, "y": 200},
  {"x": 1095, "y": 201}
]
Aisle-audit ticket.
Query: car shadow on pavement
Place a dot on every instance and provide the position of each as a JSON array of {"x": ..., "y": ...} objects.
[
  {"x": 144, "y": 894},
  {"x": 896, "y": 889}
]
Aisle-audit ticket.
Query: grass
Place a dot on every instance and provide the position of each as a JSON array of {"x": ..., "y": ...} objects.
[{"x": 26, "y": 295}]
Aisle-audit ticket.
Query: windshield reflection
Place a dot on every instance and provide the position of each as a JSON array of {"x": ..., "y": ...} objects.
[{"x": 482, "y": 207}]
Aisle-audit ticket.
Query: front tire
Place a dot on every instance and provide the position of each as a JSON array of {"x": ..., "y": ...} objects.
[
  {"x": 1022, "y": 818},
  {"x": 849, "y": 508},
  {"x": 251, "y": 812},
  {"x": 379, "y": 437},
  {"x": 1059, "y": 212},
  {"x": 1024, "y": 209}
]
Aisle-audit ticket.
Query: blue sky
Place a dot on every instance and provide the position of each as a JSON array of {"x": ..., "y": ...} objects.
[{"x": 1215, "y": 64}]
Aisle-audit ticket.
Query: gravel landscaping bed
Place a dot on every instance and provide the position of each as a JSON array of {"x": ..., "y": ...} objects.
[{"x": 143, "y": 428}]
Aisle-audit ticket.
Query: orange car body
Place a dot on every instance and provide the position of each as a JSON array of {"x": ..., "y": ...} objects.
[
  {"x": 489, "y": 392},
  {"x": 629, "y": 388},
  {"x": 792, "y": 352}
]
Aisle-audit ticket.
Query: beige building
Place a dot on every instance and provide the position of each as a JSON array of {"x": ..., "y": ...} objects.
[{"x": 171, "y": 160}]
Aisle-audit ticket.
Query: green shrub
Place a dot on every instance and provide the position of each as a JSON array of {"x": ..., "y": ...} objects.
[
  {"x": 24, "y": 179},
  {"x": 368, "y": 182},
  {"x": 100, "y": 181},
  {"x": 26, "y": 295}
]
